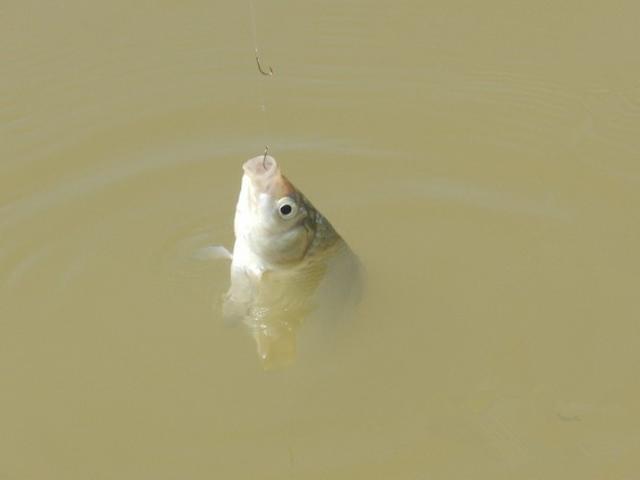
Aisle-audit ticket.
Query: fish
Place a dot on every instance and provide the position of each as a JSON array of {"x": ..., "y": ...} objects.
[{"x": 288, "y": 263}]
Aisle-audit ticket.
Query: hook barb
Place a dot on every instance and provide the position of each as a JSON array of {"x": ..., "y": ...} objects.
[{"x": 260, "y": 69}]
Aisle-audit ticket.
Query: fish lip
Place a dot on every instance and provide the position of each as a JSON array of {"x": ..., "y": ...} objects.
[{"x": 260, "y": 167}]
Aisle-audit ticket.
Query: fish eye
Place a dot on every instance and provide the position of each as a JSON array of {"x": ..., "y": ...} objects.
[{"x": 287, "y": 207}]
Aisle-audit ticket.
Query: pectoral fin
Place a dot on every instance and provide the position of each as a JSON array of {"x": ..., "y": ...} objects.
[{"x": 213, "y": 252}]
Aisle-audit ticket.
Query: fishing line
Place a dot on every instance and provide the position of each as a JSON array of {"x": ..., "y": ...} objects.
[{"x": 263, "y": 103}]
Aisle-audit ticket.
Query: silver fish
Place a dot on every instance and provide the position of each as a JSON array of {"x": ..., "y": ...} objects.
[{"x": 287, "y": 263}]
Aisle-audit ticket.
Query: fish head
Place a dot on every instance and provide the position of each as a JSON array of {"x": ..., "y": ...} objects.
[{"x": 273, "y": 219}]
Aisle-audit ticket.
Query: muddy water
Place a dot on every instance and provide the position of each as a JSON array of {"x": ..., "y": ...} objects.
[{"x": 481, "y": 159}]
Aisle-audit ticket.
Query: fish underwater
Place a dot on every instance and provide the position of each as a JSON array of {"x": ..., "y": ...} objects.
[{"x": 288, "y": 264}]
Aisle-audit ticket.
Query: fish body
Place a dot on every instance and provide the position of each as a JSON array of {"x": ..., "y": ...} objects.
[{"x": 287, "y": 262}]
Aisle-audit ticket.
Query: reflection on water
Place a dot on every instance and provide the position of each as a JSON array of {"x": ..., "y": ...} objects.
[{"x": 481, "y": 160}]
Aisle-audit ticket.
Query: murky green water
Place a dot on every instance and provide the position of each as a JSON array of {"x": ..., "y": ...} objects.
[{"x": 481, "y": 158}]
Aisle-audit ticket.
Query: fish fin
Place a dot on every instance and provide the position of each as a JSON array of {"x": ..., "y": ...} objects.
[
  {"x": 213, "y": 252},
  {"x": 276, "y": 351}
]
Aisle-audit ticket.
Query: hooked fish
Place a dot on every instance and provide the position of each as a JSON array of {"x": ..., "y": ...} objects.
[{"x": 287, "y": 262}]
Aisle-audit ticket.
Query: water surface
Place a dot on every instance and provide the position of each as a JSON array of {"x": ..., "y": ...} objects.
[{"x": 481, "y": 159}]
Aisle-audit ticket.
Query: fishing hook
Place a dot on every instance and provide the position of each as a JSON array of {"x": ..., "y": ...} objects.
[
  {"x": 264, "y": 159},
  {"x": 260, "y": 69}
]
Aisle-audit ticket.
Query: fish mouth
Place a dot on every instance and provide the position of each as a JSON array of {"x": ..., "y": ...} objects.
[
  {"x": 263, "y": 176},
  {"x": 261, "y": 167}
]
